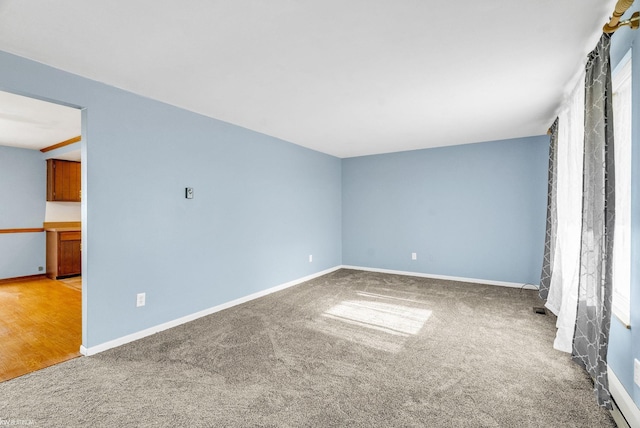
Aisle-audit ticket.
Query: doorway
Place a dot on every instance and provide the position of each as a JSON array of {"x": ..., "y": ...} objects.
[{"x": 40, "y": 317}]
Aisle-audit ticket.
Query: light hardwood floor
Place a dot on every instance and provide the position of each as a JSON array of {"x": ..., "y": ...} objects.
[{"x": 40, "y": 325}]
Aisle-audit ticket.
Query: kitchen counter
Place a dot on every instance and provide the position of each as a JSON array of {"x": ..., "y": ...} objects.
[
  {"x": 62, "y": 229},
  {"x": 59, "y": 226}
]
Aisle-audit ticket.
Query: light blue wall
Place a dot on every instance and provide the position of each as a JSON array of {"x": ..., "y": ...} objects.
[
  {"x": 22, "y": 205},
  {"x": 261, "y": 205},
  {"x": 624, "y": 344},
  {"x": 472, "y": 211}
]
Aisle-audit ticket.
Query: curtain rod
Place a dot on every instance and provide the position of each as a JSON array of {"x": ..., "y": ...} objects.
[{"x": 615, "y": 23}]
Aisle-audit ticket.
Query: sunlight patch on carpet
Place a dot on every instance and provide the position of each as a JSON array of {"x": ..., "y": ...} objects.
[
  {"x": 384, "y": 296},
  {"x": 393, "y": 319},
  {"x": 384, "y": 326}
]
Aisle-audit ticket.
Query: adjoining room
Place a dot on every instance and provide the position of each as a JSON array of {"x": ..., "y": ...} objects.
[{"x": 41, "y": 245}]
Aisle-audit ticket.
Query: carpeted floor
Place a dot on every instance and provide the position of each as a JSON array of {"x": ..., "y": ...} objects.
[{"x": 351, "y": 348}]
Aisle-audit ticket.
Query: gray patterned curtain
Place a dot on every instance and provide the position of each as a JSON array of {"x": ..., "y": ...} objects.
[
  {"x": 552, "y": 214},
  {"x": 590, "y": 339}
]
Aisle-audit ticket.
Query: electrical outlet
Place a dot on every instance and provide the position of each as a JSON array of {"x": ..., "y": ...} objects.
[
  {"x": 414, "y": 256},
  {"x": 636, "y": 372},
  {"x": 310, "y": 258},
  {"x": 141, "y": 299},
  {"x": 40, "y": 268},
  {"x": 188, "y": 192}
]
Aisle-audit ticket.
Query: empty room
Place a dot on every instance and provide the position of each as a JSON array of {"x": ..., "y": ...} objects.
[{"x": 360, "y": 213}]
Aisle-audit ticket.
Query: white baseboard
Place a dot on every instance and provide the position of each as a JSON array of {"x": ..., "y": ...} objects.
[
  {"x": 623, "y": 400},
  {"x": 445, "y": 277},
  {"x": 92, "y": 350}
]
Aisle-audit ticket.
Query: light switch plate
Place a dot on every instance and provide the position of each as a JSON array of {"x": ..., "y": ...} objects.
[
  {"x": 636, "y": 372},
  {"x": 188, "y": 192}
]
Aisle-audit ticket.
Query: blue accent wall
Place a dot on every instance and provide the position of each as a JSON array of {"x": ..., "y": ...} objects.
[
  {"x": 472, "y": 211},
  {"x": 22, "y": 206},
  {"x": 261, "y": 205},
  {"x": 624, "y": 344}
]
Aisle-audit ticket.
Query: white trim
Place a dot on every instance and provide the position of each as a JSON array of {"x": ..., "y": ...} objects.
[
  {"x": 445, "y": 277},
  {"x": 182, "y": 320},
  {"x": 625, "y": 322},
  {"x": 623, "y": 62},
  {"x": 622, "y": 78},
  {"x": 623, "y": 400}
]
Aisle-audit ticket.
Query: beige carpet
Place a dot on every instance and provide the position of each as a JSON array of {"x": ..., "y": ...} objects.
[{"x": 347, "y": 349}]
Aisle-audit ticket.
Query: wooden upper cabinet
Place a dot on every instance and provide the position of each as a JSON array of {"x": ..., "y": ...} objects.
[{"x": 63, "y": 180}]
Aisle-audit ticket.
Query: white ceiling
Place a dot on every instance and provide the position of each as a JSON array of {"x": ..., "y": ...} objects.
[
  {"x": 346, "y": 78},
  {"x": 35, "y": 124}
]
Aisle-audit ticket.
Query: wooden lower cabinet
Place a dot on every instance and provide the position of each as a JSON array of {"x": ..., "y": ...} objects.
[{"x": 64, "y": 253}]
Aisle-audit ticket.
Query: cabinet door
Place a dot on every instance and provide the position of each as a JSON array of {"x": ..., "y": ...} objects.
[
  {"x": 73, "y": 175},
  {"x": 63, "y": 180},
  {"x": 69, "y": 254}
]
